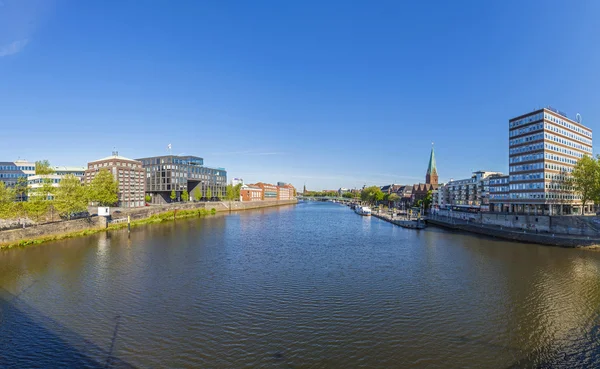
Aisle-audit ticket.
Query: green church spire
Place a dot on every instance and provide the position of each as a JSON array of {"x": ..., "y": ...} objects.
[{"x": 431, "y": 169}]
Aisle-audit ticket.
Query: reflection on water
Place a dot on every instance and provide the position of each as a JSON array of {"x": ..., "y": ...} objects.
[{"x": 313, "y": 285}]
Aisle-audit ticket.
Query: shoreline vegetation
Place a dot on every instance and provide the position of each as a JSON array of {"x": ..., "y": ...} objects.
[{"x": 166, "y": 216}]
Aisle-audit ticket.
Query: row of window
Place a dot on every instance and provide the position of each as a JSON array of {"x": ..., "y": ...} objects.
[
  {"x": 526, "y": 120},
  {"x": 520, "y": 131},
  {"x": 12, "y": 175},
  {"x": 526, "y": 177},
  {"x": 559, "y": 167},
  {"x": 530, "y": 138},
  {"x": 560, "y": 158},
  {"x": 499, "y": 189},
  {"x": 189, "y": 161},
  {"x": 496, "y": 181},
  {"x": 561, "y": 140},
  {"x": 528, "y": 157},
  {"x": 110, "y": 164},
  {"x": 499, "y": 196},
  {"x": 563, "y": 132},
  {"x": 545, "y": 196},
  {"x": 526, "y": 148},
  {"x": 16, "y": 167},
  {"x": 568, "y": 125},
  {"x": 526, "y": 167},
  {"x": 527, "y": 186}
]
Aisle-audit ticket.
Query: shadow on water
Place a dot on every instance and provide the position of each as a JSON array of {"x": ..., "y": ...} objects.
[{"x": 29, "y": 339}]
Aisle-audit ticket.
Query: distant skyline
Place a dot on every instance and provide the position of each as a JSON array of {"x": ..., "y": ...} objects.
[{"x": 331, "y": 94}]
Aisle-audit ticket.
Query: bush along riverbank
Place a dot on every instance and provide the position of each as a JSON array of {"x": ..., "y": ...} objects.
[{"x": 100, "y": 225}]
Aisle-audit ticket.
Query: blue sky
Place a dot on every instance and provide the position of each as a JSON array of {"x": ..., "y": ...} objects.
[{"x": 327, "y": 93}]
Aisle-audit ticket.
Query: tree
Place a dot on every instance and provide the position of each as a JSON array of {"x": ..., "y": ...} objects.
[
  {"x": 197, "y": 194},
  {"x": 148, "y": 198},
  {"x": 70, "y": 196},
  {"x": 43, "y": 167},
  {"x": 21, "y": 189},
  {"x": 371, "y": 194},
  {"x": 427, "y": 200},
  {"x": 237, "y": 191},
  {"x": 229, "y": 192},
  {"x": 348, "y": 195},
  {"x": 173, "y": 195},
  {"x": 185, "y": 196},
  {"x": 7, "y": 196},
  {"x": 585, "y": 179},
  {"x": 208, "y": 193},
  {"x": 393, "y": 198},
  {"x": 104, "y": 189},
  {"x": 40, "y": 199}
]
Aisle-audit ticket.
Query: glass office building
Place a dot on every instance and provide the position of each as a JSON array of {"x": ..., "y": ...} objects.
[{"x": 165, "y": 174}]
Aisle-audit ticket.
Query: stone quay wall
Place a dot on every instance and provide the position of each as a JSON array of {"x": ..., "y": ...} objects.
[
  {"x": 514, "y": 234},
  {"x": 587, "y": 226},
  {"x": 219, "y": 206},
  {"x": 51, "y": 229}
]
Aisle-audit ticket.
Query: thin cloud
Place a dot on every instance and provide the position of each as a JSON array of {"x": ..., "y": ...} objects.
[{"x": 14, "y": 47}]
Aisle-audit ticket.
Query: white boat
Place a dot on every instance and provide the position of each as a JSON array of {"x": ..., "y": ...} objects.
[{"x": 362, "y": 210}]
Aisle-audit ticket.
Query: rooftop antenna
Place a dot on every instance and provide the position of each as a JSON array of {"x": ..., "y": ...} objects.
[
  {"x": 170, "y": 147},
  {"x": 115, "y": 152},
  {"x": 578, "y": 118}
]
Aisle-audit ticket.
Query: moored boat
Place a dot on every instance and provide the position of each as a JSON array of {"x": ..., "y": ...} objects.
[{"x": 362, "y": 210}]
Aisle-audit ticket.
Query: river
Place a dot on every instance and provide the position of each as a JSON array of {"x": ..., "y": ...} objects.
[{"x": 306, "y": 286}]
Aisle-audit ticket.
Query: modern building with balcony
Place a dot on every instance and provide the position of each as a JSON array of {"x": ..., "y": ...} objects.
[
  {"x": 164, "y": 174},
  {"x": 468, "y": 194},
  {"x": 544, "y": 147}
]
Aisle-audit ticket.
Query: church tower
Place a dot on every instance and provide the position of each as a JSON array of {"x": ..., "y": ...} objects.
[{"x": 432, "y": 176}]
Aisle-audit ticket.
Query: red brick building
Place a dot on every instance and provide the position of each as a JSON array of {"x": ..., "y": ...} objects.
[
  {"x": 251, "y": 193},
  {"x": 270, "y": 192}
]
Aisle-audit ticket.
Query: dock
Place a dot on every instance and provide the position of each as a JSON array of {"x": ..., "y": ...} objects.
[{"x": 405, "y": 223}]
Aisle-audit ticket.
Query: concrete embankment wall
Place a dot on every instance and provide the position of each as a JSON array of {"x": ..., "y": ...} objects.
[
  {"x": 223, "y": 206},
  {"x": 568, "y": 225},
  {"x": 521, "y": 236},
  {"x": 15, "y": 235}
]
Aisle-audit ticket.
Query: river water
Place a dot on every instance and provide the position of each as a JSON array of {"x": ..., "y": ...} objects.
[{"x": 306, "y": 286}]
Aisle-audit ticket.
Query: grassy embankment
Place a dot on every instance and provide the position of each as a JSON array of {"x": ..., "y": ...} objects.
[{"x": 156, "y": 218}]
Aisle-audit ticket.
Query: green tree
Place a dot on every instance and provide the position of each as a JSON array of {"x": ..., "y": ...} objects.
[
  {"x": 229, "y": 193},
  {"x": 70, "y": 196},
  {"x": 197, "y": 194},
  {"x": 393, "y": 198},
  {"x": 103, "y": 189},
  {"x": 43, "y": 167},
  {"x": 348, "y": 195},
  {"x": 21, "y": 189},
  {"x": 7, "y": 197},
  {"x": 208, "y": 193},
  {"x": 427, "y": 200},
  {"x": 185, "y": 196},
  {"x": 371, "y": 194},
  {"x": 173, "y": 195},
  {"x": 585, "y": 179},
  {"x": 148, "y": 198},
  {"x": 237, "y": 191},
  {"x": 40, "y": 200}
]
